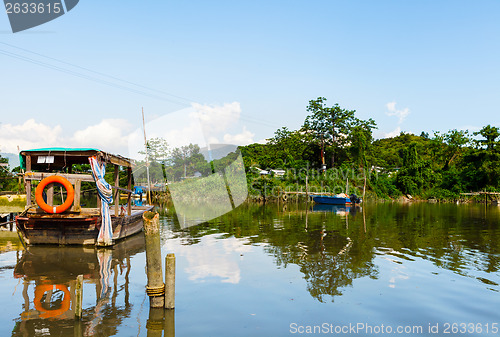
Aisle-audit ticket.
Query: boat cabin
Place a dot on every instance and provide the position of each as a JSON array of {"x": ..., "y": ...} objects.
[{"x": 42, "y": 163}]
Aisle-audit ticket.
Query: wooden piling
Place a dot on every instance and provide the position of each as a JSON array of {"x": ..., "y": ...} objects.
[
  {"x": 50, "y": 195},
  {"x": 364, "y": 219},
  {"x": 155, "y": 288},
  {"x": 78, "y": 297},
  {"x": 76, "y": 203},
  {"x": 78, "y": 329},
  {"x": 116, "y": 192},
  {"x": 307, "y": 190},
  {"x": 27, "y": 182},
  {"x": 169, "y": 323},
  {"x": 364, "y": 186},
  {"x": 154, "y": 324},
  {"x": 170, "y": 281}
]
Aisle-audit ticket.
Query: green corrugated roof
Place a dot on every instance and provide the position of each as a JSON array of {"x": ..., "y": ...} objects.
[
  {"x": 22, "y": 159},
  {"x": 61, "y": 149}
]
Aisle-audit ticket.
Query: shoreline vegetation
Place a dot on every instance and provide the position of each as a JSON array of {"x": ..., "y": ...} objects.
[
  {"x": 333, "y": 145},
  {"x": 331, "y": 150}
]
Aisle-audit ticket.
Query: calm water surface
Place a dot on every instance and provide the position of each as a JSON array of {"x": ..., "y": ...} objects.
[{"x": 275, "y": 271}]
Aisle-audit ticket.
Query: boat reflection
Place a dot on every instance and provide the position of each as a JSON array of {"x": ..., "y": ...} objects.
[
  {"x": 49, "y": 277},
  {"x": 341, "y": 210}
]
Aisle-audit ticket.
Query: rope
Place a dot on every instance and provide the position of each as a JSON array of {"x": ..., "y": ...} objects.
[
  {"x": 155, "y": 291},
  {"x": 23, "y": 213},
  {"x": 22, "y": 242},
  {"x": 154, "y": 325}
]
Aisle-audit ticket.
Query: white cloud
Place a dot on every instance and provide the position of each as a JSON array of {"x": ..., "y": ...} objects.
[
  {"x": 179, "y": 128},
  {"x": 200, "y": 124},
  {"x": 401, "y": 114},
  {"x": 216, "y": 119},
  {"x": 471, "y": 128},
  {"x": 29, "y": 135},
  {"x": 243, "y": 138},
  {"x": 393, "y": 133},
  {"x": 213, "y": 258},
  {"x": 109, "y": 135}
]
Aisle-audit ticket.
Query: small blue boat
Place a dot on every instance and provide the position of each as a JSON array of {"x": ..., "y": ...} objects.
[{"x": 339, "y": 199}]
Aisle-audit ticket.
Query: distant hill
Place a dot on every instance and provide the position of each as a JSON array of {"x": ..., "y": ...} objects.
[{"x": 13, "y": 159}]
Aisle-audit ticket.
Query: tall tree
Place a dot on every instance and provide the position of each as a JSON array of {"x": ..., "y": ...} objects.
[
  {"x": 330, "y": 124},
  {"x": 158, "y": 149},
  {"x": 481, "y": 166},
  {"x": 291, "y": 147},
  {"x": 490, "y": 133},
  {"x": 446, "y": 147},
  {"x": 186, "y": 160},
  {"x": 415, "y": 173},
  {"x": 456, "y": 140},
  {"x": 361, "y": 138}
]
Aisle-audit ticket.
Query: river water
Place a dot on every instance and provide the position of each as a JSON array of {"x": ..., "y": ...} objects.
[{"x": 274, "y": 270}]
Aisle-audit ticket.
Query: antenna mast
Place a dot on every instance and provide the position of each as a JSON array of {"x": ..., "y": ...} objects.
[{"x": 147, "y": 156}]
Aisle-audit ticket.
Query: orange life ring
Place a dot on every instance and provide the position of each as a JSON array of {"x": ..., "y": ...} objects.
[
  {"x": 41, "y": 289},
  {"x": 54, "y": 209}
]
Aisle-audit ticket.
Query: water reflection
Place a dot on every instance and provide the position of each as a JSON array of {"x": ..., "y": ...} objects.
[
  {"x": 48, "y": 275},
  {"x": 335, "y": 245},
  {"x": 208, "y": 259},
  {"x": 341, "y": 210},
  {"x": 261, "y": 267}
]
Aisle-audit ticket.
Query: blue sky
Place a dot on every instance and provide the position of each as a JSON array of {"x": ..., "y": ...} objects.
[{"x": 410, "y": 65}]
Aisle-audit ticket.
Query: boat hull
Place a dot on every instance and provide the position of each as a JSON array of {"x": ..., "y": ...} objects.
[
  {"x": 329, "y": 200},
  {"x": 37, "y": 230}
]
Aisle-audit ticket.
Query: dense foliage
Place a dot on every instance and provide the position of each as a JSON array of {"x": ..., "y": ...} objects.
[
  {"x": 8, "y": 180},
  {"x": 440, "y": 166}
]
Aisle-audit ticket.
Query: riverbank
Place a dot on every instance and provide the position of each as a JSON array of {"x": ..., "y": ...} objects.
[{"x": 275, "y": 189}]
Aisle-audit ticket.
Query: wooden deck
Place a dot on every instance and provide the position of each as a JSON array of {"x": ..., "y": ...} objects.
[{"x": 77, "y": 229}]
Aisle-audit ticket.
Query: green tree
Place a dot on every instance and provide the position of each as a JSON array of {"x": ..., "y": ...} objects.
[
  {"x": 490, "y": 133},
  {"x": 448, "y": 147},
  {"x": 291, "y": 148},
  {"x": 361, "y": 138},
  {"x": 158, "y": 149},
  {"x": 481, "y": 165},
  {"x": 329, "y": 124},
  {"x": 387, "y": 151},
  {"x": 186, "y": 160},
  {"x": 260, "y": 155},
  {"x": 415, "y": 174},
  {"x": 456, "y": 141}
]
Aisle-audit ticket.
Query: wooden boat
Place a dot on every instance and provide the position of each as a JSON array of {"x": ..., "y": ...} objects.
[
  {"x": 339, "y": 199},
  {"x": 70, "y": 223}
]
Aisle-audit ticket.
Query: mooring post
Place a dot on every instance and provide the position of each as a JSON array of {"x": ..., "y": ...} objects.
[
  {"x": 78, "y": 329},
  {"x": 154, "y": 324},
  {"x": 170, "y": 281},
  {"x": 169, "y": 323},
  {"x": 155, "y": 288},
  {"x": 307, "y": 190},
  {"x": 78, "y": 297}
]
